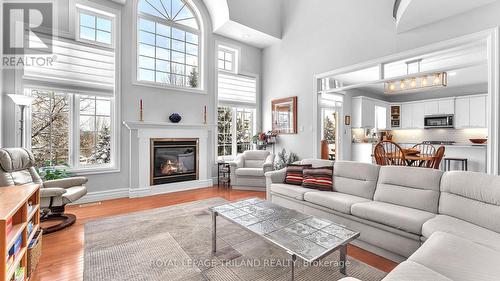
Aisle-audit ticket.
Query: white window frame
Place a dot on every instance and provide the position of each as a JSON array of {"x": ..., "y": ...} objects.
[
  {"x": 234, "y": 141},
  {"x": 96, "y": 13},
  {"x": 201, "y": 47},
  {"x": 74, "y": 134},
  {"x": 234, "y": 62}
]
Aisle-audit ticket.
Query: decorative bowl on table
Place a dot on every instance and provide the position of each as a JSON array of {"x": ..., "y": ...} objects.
[{"x": 478, "y": 141}]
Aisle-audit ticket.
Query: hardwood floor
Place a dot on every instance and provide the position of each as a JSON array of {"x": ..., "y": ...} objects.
[{"x": 62, "y": 252}]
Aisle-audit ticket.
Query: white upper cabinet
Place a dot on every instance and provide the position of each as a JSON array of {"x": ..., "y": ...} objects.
[
  {"x": 462, "y": 113},
  {"x": 406, "y": 116},
  {"x": 418, "y": 114},
  {"x": 431, "y": 107},
  {"x": 440, "y": 106},
  {"x": 369, "y": 113},
  {"x": 446, "y": 106},
  {"x": 470, "y": 112},
  {"x": 477, "y": 112}
]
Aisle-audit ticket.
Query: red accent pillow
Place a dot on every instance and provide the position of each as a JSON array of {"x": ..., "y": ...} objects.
[
  {"x": 318, "y": 178},
  {"x": 294, "y": 173}
]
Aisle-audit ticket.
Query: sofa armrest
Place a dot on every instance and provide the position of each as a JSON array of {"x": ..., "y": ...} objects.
[
  {"x": 274, "y": 177},
  {"x": 52, "y": 192},
  {"x": 66, "y": 183},
  {"x": 269, "y": 163}
]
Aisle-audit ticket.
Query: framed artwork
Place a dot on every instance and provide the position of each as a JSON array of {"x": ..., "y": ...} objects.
[
  {"x": 347, "y": 120},
  {"x": 284, "y": 112}
]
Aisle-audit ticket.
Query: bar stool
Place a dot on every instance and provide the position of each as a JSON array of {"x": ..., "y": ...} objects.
[{"x": 447, "y": 163}]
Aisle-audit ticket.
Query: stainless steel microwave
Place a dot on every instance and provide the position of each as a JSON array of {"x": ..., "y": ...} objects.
[{"x": 439, "y": 121}]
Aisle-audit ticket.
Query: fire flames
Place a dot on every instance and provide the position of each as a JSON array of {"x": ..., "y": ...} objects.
[{"x": 171, "y": 167}]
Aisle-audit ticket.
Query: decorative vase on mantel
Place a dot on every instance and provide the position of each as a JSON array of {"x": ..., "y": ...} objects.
[{"x": 175, "y": 118}]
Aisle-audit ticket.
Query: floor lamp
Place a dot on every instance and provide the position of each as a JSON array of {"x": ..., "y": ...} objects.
[{"x": 22, "y": 101}]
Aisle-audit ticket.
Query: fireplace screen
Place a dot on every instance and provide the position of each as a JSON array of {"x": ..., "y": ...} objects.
[{"x": 174, "y": 160}]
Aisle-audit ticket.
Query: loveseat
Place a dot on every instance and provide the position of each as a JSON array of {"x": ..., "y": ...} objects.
[{"x": 444, "y": 226}]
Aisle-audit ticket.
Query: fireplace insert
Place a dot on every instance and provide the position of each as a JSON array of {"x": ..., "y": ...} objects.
[{"x": 173, "y": 160}]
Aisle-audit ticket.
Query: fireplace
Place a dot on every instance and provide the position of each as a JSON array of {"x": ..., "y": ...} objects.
[{"x": 173, "y": 160}]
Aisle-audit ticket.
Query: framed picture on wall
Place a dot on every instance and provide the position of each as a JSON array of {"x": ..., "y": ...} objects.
[{"x": 284, "y": 112}]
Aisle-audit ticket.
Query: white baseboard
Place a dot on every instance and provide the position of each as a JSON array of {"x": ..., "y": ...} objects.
[
  {"x": 169, "y": 188},
  {"x": 103, "y": 195},
  {"x": 143, "y": 192}
]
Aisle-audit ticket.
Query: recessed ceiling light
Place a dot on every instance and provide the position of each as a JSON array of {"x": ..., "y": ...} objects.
[
  {"x": 245, "y": 36},
  {"x": 452, "y": 73}
]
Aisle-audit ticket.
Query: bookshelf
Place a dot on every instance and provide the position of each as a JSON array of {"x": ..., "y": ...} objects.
[{"x": 21, "y": 205}]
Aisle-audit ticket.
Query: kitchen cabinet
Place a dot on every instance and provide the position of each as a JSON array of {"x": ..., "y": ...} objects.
[
  {"x": 470, "y": 112},
  {"x": 412, "y": 115},
  {"x": 418, "y": 114},
  {"x": 440, "y": 106},
  {"x": 369, "y": 113},
  {"x": 446, "y": 106},
  {"x": 362, "y": 152},
  {"x": 477, "y": 112},
  {"x": 406, "y": 116},
  {"x": 431, "y": 107}
]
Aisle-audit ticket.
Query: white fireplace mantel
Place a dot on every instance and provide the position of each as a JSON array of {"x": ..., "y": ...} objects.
[
  {"x": 136, "y": 125},
  {"x": 141, "y": 133}
]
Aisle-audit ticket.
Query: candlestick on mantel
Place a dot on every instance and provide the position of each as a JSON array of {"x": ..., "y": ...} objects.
[
  {"x": 205, "y": 115},
  {"x": 141, "y": 114}
]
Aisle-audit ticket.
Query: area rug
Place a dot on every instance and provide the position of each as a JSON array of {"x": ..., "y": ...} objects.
[{"x": 174, "y": 243}]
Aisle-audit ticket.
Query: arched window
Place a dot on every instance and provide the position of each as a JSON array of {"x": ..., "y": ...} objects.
[{"x": 168, "y": 43}]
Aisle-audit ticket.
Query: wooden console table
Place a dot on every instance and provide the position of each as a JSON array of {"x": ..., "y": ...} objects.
[{"x": 21, "y": 204}]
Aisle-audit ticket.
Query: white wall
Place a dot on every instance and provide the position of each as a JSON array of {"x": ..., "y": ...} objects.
[
  {"x": 158, "y": 103},
  {"x": 261, "y": 15},
  {"x": 320, "y": 35}
]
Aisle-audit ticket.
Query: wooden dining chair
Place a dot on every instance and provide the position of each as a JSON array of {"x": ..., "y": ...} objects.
[
  {"x": 427, "y": 150},
  {"x": 438, "y": 157},
  {"x": 388, "y": 153}
]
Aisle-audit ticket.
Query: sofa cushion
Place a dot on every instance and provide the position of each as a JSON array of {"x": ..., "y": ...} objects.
[
  {"x": 255, "y": 158},
  {"x": 355, "y": 178},
  {"x": 293, "y": 191},
  {"x": 411, "y": 187},
  {"x": 250, "y": 172},
  {"x": 295, "y": 174},
  {"x": 472, "y": 197},
  {"x": 339, "y": 202},
  {"x": 318, "y": 178},
  {"x": 458, "y": 258},
  {"x": 399, "y": 217},
  {"x": 463, "y": 229},
  {"x": 412, "y": 271}
]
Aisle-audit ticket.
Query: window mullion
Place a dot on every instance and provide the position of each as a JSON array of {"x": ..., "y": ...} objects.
[
  {"x": 75, "y": 131},
  {"x": 234, "y": 131}
]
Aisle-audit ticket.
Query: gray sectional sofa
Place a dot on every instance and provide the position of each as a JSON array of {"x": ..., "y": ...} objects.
[{"x": 441, "y": 226}]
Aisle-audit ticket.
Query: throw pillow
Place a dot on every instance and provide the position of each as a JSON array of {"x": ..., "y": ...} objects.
[
  {"x": 294, "y": 174},
  {"x": 318, "y": 178}
]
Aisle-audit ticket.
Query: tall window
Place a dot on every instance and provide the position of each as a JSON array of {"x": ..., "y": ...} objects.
[
  {"x": 73, "y": 119},
  {"x": 57, "y": 117},
  {"x": 168, "y": 44},
  {"x": 236, "y": 119}
]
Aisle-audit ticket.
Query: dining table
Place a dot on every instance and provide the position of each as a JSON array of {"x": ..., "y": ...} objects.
[{"x": 412, "y": 156}]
